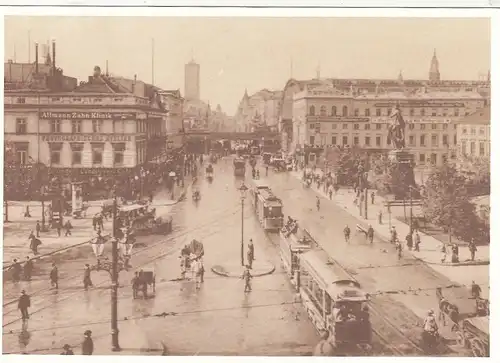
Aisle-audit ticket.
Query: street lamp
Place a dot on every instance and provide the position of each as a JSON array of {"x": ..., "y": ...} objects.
[
  {"x": 243, "y": 189},
  {"x": 113, "y": 268}
]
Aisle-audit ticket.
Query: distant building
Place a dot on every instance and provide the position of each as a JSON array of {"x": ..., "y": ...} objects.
[
  {"x": 174, "y": 103},
  {"x": 192, "y": 81},
  {"x": 259, "y": 110},
  {"x": 473, "y": 134}
]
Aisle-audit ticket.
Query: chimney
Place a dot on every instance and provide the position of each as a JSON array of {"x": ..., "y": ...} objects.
[
  {"x": 133, "y": 83},
  {"x": 54, "y": 56},
  {"x": 36, "y": 58}
]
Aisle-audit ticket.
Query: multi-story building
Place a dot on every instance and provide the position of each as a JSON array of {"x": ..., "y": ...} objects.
[
  {"x": 174, "y": 103},
  {"x": 93, "y": 127},
  {"x": 192, "y": 81},
  {"x": 320, "y": 113},
  {"x": 260, "y": 109},
  {"x": 473, "y": 134}
]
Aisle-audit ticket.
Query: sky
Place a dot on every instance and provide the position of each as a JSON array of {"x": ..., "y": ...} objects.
[{"x": 255, "y": 53}]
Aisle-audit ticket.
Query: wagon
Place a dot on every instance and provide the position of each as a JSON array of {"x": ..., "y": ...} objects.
[
  {"x": 475, "y": 336},
  {"x": 148, "y": 276}
]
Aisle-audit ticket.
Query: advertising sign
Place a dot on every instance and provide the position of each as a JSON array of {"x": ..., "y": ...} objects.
[
  {"x": 87, "y": 115},
  {"x": 87, "y": 137}
]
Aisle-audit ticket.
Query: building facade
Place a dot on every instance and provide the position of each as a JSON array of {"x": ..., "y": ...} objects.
[
  {"x": 97, "y": 125},
  {"x": 473, "y": 133},
  {"x": 260, "y": 109},
  {"x": 192, "y": 81},
  {"x": 174, "y": 103}
]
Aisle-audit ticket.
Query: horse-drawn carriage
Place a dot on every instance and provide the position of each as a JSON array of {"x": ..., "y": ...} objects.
[
  {"x": 144, "y": 278},
  {"x": 142, "y": 220}
]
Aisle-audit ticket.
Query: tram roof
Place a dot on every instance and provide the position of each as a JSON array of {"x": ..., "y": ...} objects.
[{"x": 259, "y": 184}]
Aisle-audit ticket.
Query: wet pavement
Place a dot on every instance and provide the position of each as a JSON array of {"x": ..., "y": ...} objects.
[{"x": 218, "y": 319}]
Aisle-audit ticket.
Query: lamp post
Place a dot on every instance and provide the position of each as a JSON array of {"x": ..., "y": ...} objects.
[
  {"x": 117, "y": 264},
  {"x": 243, "y": 189}
]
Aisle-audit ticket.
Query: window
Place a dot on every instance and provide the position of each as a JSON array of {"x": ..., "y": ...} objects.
[
  {"x": 356, "y": 126},
  {"x": 378, "y": 126},
  {"x": 445, "y": 126},
  {"x": 434, "y": 113},
  {"x": 334, "y": 126},
  {"x": 434, "y": 126},
  {"x": 312, "y": 126},
  {"x": 21, "y": 126},
  {"x": 55, "y": 153},
  {"x": 334, "y": 140},
  {"x": 344, "y": 140},
  {"x": 367, "y": 126},
  {"x": 411, "y": 140},
  {"x": 378, "y": 112},
  {"x": 422, "y": 126},
  {"x": 76, "y": 153},
  {"x": 344, "y": 111},
  {"x": 334, "y": 111},
  {"x": 97, "y": 151},
  {"x": 411, "y": 126},
  {"x": 412, "y": 112},
  {"x": 118, "y": 150},
  {"x": 76, "y": 126},
  {"x": 378, "y": 141},
  {"x": 472, "y": 148},
  {"x": 456, "y": 113},
  {"x": 481, "y": 131},
  {"x": 55, "y": 126},
  {"x": 433, "y": 159},
  {"x": 344, "y": 126},
  {"x": 21, "y": 100},
  {"x": 422, "y": 112},
  {"x": 464, "y": 147},
  {"x": 96, "y": 126},
  {"x": 422, "y": 140},
  {"x": 464, "y": 130},
  {"x": 472, "y": 130},
  {"x": 311, "y": 140},
  {"x": 434, "y": 140},
  {"x": 445, "y": 140},
  {"x": 421, "y": 158},
  {"x": 312, "y": 111},
  {"x": 322, "y": 111},
  {"x": 356, "y": 140},
  {"x": 454, "y": 139},
  {"x": 21, "y": 149},
  {"x": 356, "y": 112},
  {"x": 367, "y": 112},
  {"x": 482, "y": 150},
  {"x": 367, "y": 140}
]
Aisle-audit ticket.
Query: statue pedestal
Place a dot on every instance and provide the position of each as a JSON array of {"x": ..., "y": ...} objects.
[{"x": 402, "y": 176}]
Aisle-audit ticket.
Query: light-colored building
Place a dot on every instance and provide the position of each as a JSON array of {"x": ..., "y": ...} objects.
[
  {"x": 192, "y": 81},
  {"x": 174, "y": 103},
  {"x": 260, "y": 109},
  {"x": 473, "y": 134},
  {"x": 97, "y": 125}
]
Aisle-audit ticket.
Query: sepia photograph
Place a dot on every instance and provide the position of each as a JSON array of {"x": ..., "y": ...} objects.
[{"x": 337, "y": 170}]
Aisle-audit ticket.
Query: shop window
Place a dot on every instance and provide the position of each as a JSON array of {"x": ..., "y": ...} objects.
[
  {"x": 97, "y": 152},
  {"x": 55, "y": 153},
  {"x": 21, "y": 126},
  {"x": 55, "y": 126},
  {"x": 76, "y": 153},
  {"x": 76, "y": 126},
  {"x": 118, "y": 151}
]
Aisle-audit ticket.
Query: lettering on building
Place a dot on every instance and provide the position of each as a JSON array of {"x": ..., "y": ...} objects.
[
  {"x": 87, "y": 138},
  {"x": 382, "y": 120},
  {"x": 87, "y": 115}
]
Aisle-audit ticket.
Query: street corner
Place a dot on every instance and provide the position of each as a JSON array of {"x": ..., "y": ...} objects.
[{"x": 235, "y": 270}]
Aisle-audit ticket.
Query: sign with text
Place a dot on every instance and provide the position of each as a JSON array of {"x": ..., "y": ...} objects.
[
  {"x": 386, "y": 120},
  {"x": 87, "y": 115},
  {"x": 87, "y": 137}
]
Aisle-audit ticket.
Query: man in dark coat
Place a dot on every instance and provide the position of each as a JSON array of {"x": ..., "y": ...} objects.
[
  {"x": 369, "y": 233},
  {"x": 28, "y": 269},
  {"x": 23, "y": 305},
  {"x": 86, "y": 277},
  {"x": 88, "y": 343},
  {"x": 16, "y": 271},
  {"x": 54, "y": 276}
]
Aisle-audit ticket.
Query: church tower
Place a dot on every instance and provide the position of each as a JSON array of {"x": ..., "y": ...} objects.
[{"x": 434, "y": 75}]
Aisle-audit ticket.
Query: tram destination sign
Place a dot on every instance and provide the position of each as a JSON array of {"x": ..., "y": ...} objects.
[
  {"x": 87, "y": 115},
  {"x": 87, "y": 137}
]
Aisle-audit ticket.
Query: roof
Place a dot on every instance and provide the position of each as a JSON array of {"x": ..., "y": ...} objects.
[
  {"x": 101, "y": 84},
  {"x": 480, "y": 117},
  {"x": 23, "y": 72}
]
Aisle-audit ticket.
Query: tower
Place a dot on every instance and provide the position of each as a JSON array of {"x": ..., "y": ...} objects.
[
  {"x": 192, "y": 81},
  {"x": 434, "y": 75}
]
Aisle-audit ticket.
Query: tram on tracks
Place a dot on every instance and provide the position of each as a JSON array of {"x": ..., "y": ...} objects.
[
  {"x": 239, "y": 166},
  {"x": 267, "y": 206},
  {"x": 335, "y": 302},
  {"x": 293, "y": 242}
]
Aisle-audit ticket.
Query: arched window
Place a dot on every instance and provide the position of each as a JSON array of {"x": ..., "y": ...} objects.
[
  {"x": 312, "y": 111},
  {"x": 334, "y": 110},
  {"x": 322, "y": 111},
  {"x": 344, "y": 111}
]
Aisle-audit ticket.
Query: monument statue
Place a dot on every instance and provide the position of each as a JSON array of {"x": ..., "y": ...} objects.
[{"x": 396, "y": 135}]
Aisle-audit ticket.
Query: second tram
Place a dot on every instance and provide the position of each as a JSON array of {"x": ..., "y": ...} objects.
[
  {"x": 239, "y": 166},
  {"x": 267, "y": 206}
]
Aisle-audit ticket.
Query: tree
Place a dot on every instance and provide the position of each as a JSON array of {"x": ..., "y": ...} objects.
[
  {"x": 349, "y": 161},
  {"x": 391, "y": 177},
  {"x": 446, "y": 203}
]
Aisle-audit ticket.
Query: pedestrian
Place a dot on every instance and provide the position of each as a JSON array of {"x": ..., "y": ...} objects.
[
  {"x": 399, "y": 249},
  {"x": 444, "y": 253},
  {"x": 347, "y": 233},
  {"x": 58, "y": 228},
  {"x": 202, "y": 270},
  {"x": 318, "y": 203},
  {"x": 417, "y": 242},
  {"x": 409, "y": 241},
  {"x": 28, "y": 269},
  {"x": 34, "y": 243},
  {"x": 94, "y": 222},
  {"x": 27, "y": 212},
  {"x": 372, "y": 195},
  {"x": 87, "y": 281},
  {"x": 135, "y": 285},
  {"x": 23, "y": 304},
  {"x": 247, "y": 276},
  {"x": 330, "y": 192},
  {"x": 16, "y": 271},
  {"x": 54, "y": 276},
  {"x": 88, "y": 343},
  {"x": 394, "y": 234},
  {"x": 472, "y": 249},
  {"x": 37, "y": 229},
  {"x": 267, "y": 170},
  {"x": 475, "y": 290},
  {"x": 67, "y": 228},
  {"x": 67, "y": 350},
  {"x": 369, "y": 233},
  {"x": 250, "y": 253}
]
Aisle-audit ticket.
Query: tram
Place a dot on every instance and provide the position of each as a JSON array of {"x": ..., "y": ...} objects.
[
  {"x": 293, "y": 242},
  {"x": 268, "y": 207},
  {"x": 334, "y": 301},
  {"x": 239, "y": 166}
]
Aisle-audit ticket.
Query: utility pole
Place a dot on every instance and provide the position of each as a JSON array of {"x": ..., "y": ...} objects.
[
  {"x": 242, "y": 238},
  {"x": 366, "y": 203},
  {"x": 114, "y": 281}
]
